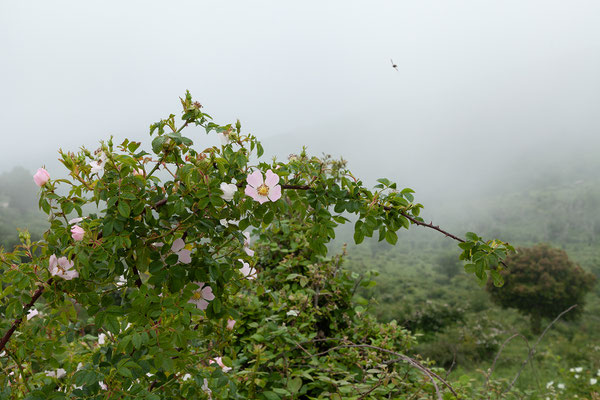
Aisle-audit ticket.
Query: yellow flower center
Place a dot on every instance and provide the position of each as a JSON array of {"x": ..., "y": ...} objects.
[
  {"x": 197, "y": 295},
  {"x": 263, "y": 190}
]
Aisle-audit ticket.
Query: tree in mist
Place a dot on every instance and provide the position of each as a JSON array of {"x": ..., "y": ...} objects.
[{"x": 541, "y": 282}]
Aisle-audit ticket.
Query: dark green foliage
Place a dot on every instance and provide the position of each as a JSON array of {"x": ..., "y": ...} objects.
[
  {"x": 431, "y": 317},
  {"x": 542, "y": 282},
  {"x": 447, "y": 264}
]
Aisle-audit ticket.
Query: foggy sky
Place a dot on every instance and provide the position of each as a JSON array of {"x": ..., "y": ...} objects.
[{"x": 482, "y": 85}]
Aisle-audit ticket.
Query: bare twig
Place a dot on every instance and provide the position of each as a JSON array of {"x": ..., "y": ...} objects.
[
  {"x": 532, "y": 351},
  {"x": 401, "y": 357},
  {"x": 491, "y": 369}
]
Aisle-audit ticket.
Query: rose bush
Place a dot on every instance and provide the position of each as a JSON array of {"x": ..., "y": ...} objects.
[{"x": 161, "y": 266}]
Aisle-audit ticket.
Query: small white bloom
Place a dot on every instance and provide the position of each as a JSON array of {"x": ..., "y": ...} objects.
[
  {"x": 593, "y": 381},
  {"x": 75, "y": 221},
  {"x": 187, "y": 377},
  {"x": 578, "y": 369},
  {"x": 101, "y": 338},
  {"x": 226, "y": 222},
  {"x": 79, "y": 366},
  {"x": 103, "y": 385},
  {"x": 224, "y": 137},
  {"x": 59, "y": 373},
  {"x": 229, "y": 189},
  {"x": 219, "y": 362},
  {"x": 98, "y": 165},
  {"x": 247, "y": 248},
  {"x": 247, "y": 270},
  {"x": 206, "y": 389},
  {"x": 2, "y": 354},
  {"x": 560, "y": 386},
  {"x": 32, "y": 313},
  {"x": 576, "y": 376},
  {"x": 549, "y": 384}
]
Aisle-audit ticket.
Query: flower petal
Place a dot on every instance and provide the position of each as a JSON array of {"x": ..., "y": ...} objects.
[
  {"x": 255, "y": 179},
  {"x": 185, "y": 256},
  {"x": 262, "y": 199},
  {"x": 275, "y": 193},
  {"x": 178, "y": 244},
  {"x": 250, "y": 191},
  {"x": 202, "y": 304},
  {"x": 271, "y": 179},
  {"x": 207, "y": 293}
]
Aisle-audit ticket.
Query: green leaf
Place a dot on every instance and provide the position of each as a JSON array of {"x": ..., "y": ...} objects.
[
  {"x": 497, "y": 278},
  {"x": 271, "y": 396},
  {"x": 470, "y": 268},
  {"x": 124, "y": 209},
  {"x": 137, "y": 340},
  {"x": 391, "y": 237},
  {"x": 157, "y": 144},
  {"x": 358, "y": 237},
  {"x": 126, "y": 372},
  {"x": 385, "y": 181},
  {"x": 294, "y": 385},
  {"x": 472, "y": 237}
]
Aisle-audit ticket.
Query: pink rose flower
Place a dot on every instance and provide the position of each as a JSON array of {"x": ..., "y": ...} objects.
[
  {"x": 41, "y": 177},
  {"x": 77, "y": 232},
  {"x": 230, "y": 324},
  {"x": 247, "y": 270},
  {"x": 263, "y": 190},
  {"x": 219, "y": 362},
  {"x": 202, "y": 296},
  {"x": 62, "y": 268}
]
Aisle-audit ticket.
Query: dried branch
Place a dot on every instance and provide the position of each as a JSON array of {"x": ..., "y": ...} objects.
[
  {"x": 400, "y": 357},
  {"x": 532, "y": 351},
  {"x": 491, "y": 369}
]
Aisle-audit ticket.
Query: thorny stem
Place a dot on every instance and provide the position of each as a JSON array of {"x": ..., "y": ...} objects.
[{"x": 26, "y": 308}]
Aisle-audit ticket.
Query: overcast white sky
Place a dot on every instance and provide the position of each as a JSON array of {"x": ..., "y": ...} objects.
[{"x": 501, "y": 79}]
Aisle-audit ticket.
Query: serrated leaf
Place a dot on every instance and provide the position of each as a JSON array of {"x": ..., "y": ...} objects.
[
  {"x": 391, "y": 237},
  {"x": 124, "y": 209}
]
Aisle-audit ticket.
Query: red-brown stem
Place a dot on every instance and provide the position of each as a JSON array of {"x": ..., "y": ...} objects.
[{"x": 26, "y": 308}]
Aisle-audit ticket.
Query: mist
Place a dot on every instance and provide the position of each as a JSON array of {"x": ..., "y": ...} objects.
[{"x": 486, "y": 94}]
